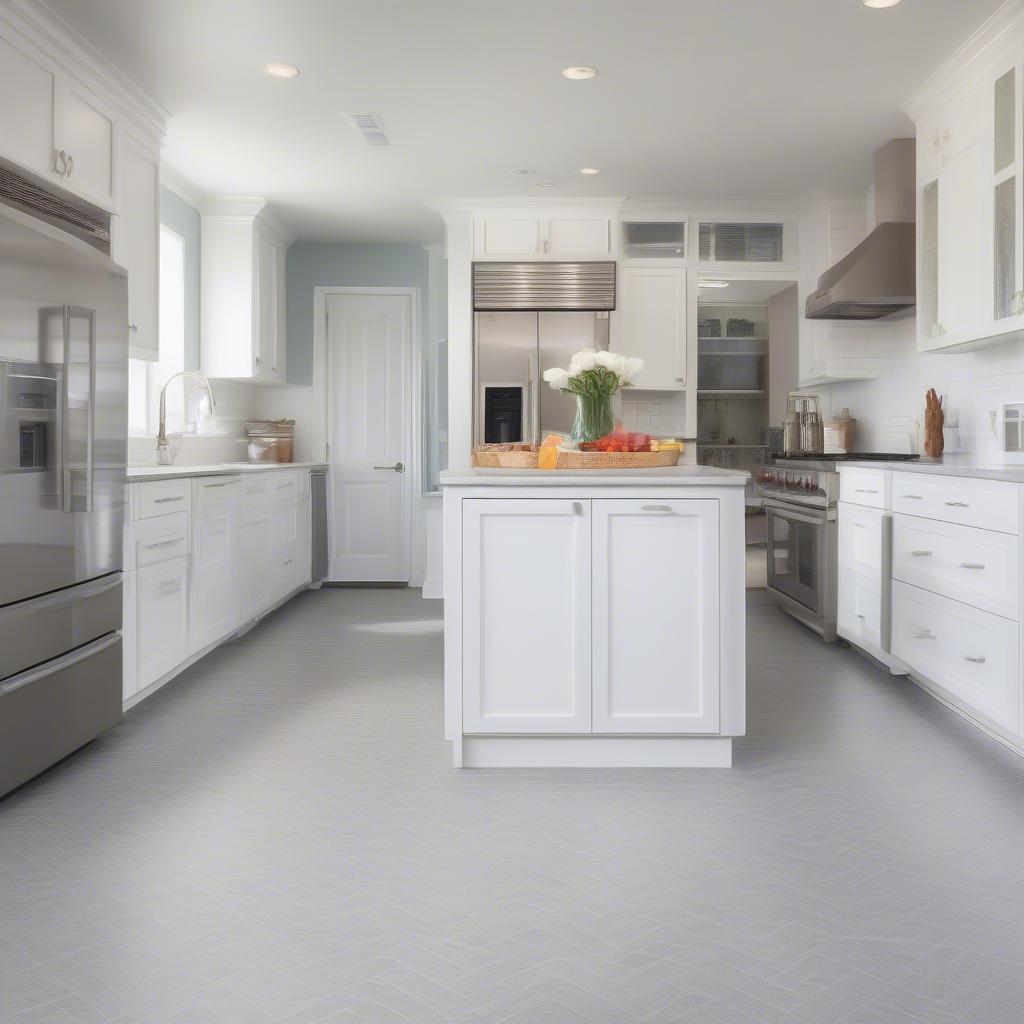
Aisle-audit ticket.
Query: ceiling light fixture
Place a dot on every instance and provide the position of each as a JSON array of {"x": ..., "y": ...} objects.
[
  {"x": 579, "y": 73},
  {"x": 278, "y": 70},
  {"x": 714, "y": 284},
  {"x": 879, "y": 4},
  {"x": 545, "y": 184},
  {"x": 590, "y": 170},
  {"x": 519, "y": 171}
]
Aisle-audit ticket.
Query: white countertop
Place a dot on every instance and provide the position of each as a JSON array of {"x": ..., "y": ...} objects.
[
  {"x": 670, "y": 476},
  {"x": 134, "y": 474},
  {"x": 951, "y": 465}
]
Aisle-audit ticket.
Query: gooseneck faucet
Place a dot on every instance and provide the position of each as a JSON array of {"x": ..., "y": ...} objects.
[{"x": 164, "y": 455}]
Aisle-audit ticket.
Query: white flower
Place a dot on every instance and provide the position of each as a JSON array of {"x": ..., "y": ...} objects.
[
  {"x": 586, "y": 359},
  {"x": 557, "y": 378},
  {"x": 605, "y": 359},
  {"x": 630, "y": 369}
]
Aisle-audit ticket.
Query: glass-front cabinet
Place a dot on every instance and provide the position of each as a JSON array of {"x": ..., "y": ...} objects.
[{"x": 1006, "y": 228}]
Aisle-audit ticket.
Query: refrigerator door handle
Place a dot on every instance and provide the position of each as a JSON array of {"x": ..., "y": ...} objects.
[
  {"x": 48, "y": 668},
  {"x": 71, "y": 596},
  {"x": 89, "y": 315}
]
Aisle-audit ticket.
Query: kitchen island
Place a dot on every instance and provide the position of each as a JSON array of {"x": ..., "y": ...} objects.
[{"x": 594, "y": 619}]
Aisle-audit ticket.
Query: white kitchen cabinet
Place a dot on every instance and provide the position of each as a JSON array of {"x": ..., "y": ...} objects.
[
  {"x": 865, "y": 556},
  {"x": 862, "y": 615},
  {"x": 569, "y": 233},
  {"x": 731, "y": 242},
  {"x": 863, "y": 541},
  {"x": 655, "y": 616},
  {"x": 162, "y": 635},
  {"x": 254, "y": 563},
  {"x": 136, "y": 246},
  {"x": 28, "y": 81},
  {"x": 215, "y": 597},
  {"x": 129, "y": 632},
  {"x": 85, "y": 132},
  {"x": 526, "y": 583},
  {"x": 242, "y": 299},
  {"x": 651, "y": 324}
]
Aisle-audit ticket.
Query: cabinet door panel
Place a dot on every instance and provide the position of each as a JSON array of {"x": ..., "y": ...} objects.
[
  {"x": 526, "y": 600},
  {"x": 502, "y": 237},
  {"x": 579, "y": 237},
  {"x": 265, "y": 315},
  {"x": 254, "y": 566},
  {"x": 26, "y": 123},
  {"x": 652, "y": 324},
  {"x": 656, "y": 613},
  {"x": 137, "y": 248},
  {"x": 214, "y": 605},
  {"x": 861, "y": 619},
  {"x": 84, "y": 129},
  {"x": 163, "y": 618}
]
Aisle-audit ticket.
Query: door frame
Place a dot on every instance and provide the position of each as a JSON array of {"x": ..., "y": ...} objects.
[{"x": 413, "y": 426}]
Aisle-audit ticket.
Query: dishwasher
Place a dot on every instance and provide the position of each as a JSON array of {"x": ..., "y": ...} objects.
[{"x": 318, "y": 525}]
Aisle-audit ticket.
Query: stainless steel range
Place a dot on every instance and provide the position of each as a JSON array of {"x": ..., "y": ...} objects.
[{"x": 801, "y": 496}]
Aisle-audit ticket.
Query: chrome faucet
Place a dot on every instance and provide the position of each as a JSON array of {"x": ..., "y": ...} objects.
[{"x": 164, "y": 455}]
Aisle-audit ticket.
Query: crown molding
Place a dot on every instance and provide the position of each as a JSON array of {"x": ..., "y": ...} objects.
[
  {"x": 80, "y": 59},
  {"x": 967, "y": 60}
]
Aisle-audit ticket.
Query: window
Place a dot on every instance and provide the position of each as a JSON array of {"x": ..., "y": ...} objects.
[{"x": 146, "y": 379}]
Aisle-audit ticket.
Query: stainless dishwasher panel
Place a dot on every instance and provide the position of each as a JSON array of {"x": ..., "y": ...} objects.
[{"x": 318, "y": 525}]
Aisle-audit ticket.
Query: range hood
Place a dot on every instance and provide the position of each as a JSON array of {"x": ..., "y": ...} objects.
[{"x": 878, "y": 278}]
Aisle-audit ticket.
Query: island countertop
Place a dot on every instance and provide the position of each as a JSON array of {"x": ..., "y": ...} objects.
[{"x": 666, "y": 476}]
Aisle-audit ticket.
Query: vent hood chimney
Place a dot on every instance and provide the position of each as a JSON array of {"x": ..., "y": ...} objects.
[{"x": 877, "y": 279}]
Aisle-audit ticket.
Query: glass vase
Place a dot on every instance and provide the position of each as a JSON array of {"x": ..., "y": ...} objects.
[{"x": 594, "y": 417}]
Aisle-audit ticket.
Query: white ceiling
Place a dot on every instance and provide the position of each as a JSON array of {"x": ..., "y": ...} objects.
[{"x": 759, "y": 98}]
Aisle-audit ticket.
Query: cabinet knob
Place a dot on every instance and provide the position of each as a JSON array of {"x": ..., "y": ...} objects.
[
  {"x": 71, "y": 165},
  {"x": 259, "y": 362},
  {"x": 577, "y": 508},
  {"x": 133, "y": 328}
]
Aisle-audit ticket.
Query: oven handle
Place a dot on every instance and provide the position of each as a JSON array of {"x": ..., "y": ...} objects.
[{"x": 800, "y": 516}]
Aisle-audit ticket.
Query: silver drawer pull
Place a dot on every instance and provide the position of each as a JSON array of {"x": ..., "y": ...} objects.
[
  {"x": 164, "y": 543},
  {"x": 281, "y": 487},
  {"x": 925, "y": 634},
  {"x": 289, "y": 562},
  {"x": 957, "y": 504},
  {"x": 655, "y": 508},
  {"x": 223, "y": 484},
  {"x": 170, "y": 586},
  {"x": 972, "y": 565},
  {"x": 860, "y": 616},
  {"x": 975, "y": 659},
  {"x": 920, "y": 554},
  {"x": 859, "y": 526},
  {"x": 865, "y": 490},
  {"x": 161, "y": 501},
  {"x": 912, "y": 497}
]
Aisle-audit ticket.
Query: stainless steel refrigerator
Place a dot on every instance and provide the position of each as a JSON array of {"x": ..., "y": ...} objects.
[{"x": 63, "y": 427}]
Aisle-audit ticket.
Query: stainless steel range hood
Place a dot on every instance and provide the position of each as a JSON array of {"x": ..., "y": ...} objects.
[{"x": 878, "y": 278}]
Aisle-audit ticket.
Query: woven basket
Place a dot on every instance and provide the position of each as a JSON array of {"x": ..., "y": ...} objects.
[
  {"x": 616, "y": 460},
  {"x": 489, "y": 458}
]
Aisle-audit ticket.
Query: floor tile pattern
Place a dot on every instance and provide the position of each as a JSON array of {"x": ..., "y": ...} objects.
[{"x": 277, "y": 838}]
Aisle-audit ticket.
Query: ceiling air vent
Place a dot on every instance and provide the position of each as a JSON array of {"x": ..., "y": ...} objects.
[{"x": 370, "y": 127}]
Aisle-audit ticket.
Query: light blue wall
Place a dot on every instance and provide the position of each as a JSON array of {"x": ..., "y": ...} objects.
[
  {"x": 183, "y": 218},
  {"x": 367, "y": 264}
]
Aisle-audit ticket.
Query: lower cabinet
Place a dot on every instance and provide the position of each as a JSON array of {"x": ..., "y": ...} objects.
[
  {"x": 588, "y": 616},
  {"x": 162, "y": 638},
  {"x": 254, "y": 532},
  {"x": 214, "y": 601},
  {"x": 655, "y": 604}
]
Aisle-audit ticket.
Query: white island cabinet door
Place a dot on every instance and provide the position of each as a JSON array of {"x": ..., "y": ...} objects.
[
  {"x": 656, "y": 616},
  {"x": 526, "y": 608}
]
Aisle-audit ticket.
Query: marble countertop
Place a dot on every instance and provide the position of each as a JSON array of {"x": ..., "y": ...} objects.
[
  {"x": 671, "y": 476},
  {"x": 133, "y": 474},
  {"x": 980, "y": 468}
]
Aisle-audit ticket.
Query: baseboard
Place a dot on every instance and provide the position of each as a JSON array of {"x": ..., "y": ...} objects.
[{"x": 596, "y": 752}]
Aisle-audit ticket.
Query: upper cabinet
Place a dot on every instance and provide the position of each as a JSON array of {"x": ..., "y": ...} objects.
[
  {"x": 578, "y": 233},
  {"x": 654, "y": 241},
  {"x": 969, "y": 204},
  {"x": 26, "y": 127},
  {"x": 651, "y": 323},
  {"x": 135, "y": 244},
  {"x": 762, "y": 243},
  {"x": 243, "y": 283},
  {"x": 85, "y": 141}
]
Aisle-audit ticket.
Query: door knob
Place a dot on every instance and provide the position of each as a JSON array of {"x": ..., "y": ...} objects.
[{"x": 398, "y": 467}]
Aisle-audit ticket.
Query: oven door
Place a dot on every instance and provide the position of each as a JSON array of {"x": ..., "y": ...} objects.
[{"x": 797, "y": 547}]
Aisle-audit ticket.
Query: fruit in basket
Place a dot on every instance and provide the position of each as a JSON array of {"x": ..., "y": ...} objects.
[{"x": 619, "y": 441}]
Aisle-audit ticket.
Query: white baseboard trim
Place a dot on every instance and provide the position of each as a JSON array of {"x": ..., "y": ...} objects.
[
  {"x": 596, "y": 752},
  {"x": 433, "y": 589}
]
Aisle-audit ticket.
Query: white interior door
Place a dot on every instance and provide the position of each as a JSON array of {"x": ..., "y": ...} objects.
[{"x": 368, "y": 349}]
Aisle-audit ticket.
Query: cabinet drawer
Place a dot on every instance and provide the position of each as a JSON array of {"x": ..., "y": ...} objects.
[
  {"x": 211, "y": 492},
  {"x": 161, "y": 497},
  {"x": 860, "y": 616},
  {"x": 256, "y": 488},
  {"x": 162, "y": 540},
  {"x": 864, "y": 487},
  {"x": 968, "y": 652},
  {"x": 162, "y": 619},
  {"x": 986, "y": 504},
  {"x": 284, "y": 483},
  {"x": 863, "y": 541},
  {"x": 978, "y": 567},
  {"x": 284, "y": 571}
]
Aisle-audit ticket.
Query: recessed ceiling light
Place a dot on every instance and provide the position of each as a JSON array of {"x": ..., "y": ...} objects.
[
  {"x": 522, "y": 170},
  {"x": 278, "y": 70},
  {"x": 714, "y": 284},
  {"x": 880, "y": 3},
  {"x": 545, "y": 184},
  {"x": 590, "y": 170},
  {"x": 579, "y": 73}
]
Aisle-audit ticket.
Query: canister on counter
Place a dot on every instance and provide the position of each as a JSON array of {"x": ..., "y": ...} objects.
[{"x": 839, "y": 433}]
